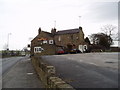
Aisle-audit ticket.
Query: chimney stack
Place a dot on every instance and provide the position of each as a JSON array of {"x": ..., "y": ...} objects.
[
  {"x": 53, "y": 31},
  {"x": 39, "y": 30},
  {"x": 80, "y": 28}
]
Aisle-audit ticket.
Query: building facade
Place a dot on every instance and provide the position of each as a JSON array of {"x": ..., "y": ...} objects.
[{"x": 46, "y": 43}]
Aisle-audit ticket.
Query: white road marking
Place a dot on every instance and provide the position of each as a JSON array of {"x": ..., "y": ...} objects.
[
  {"x": 93, "y": 64},
  {"x": 29, "y": 73}
]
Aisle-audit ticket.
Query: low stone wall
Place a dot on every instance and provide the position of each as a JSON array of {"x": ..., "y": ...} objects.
[{"x": 47, "y": 75}]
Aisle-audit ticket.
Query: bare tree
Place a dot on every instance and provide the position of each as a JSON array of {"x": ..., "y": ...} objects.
[
  {"x": 108, "y": 29},
  {"x": 116, "y": 37}
]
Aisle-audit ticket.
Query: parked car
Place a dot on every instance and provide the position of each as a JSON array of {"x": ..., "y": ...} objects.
[
  {"x": 78, "y": 51},
  {"x": 60, "y": 51},
  {"x": 73, "y": 51}
]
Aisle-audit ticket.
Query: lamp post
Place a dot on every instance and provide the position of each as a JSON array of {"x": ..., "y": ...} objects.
[
  {"x": 8, "y": 41},
  {"x": 79, "y": 20},
  {"x": 55, "y": 24}
]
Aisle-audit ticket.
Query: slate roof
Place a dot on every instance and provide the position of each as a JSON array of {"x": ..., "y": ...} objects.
[{"x": 70, "y": 31}]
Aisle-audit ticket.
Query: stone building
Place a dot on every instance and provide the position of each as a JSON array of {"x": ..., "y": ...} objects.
[
  {"x": 69, "y": 39},
  {"x": 46, "y": 43}
]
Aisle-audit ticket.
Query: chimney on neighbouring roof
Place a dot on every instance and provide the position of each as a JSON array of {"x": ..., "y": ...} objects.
[
  {"x": 80, "y": 28},
  {"x": 39, "y": 30}
]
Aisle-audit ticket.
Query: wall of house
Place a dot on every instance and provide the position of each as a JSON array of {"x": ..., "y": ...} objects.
[
  {"x": 63, "y": 40},
  {"x": 49, "y": 49},
  {"x": 81, "y": 38}
]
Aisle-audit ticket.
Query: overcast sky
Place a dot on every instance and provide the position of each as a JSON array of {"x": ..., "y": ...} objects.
[{"x": 22, "y": 18}]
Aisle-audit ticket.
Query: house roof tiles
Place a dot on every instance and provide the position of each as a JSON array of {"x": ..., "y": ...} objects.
[{"x": 70, "y": 31}]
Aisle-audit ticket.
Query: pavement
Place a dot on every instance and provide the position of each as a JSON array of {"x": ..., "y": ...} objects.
[{"x": 22, "y": 75}]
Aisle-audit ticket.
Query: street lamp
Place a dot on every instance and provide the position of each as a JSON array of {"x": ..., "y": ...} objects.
[
  {"x": 79, "y": 20},
  {"x": 55, "y": 24},
  {"x": 8, "y": 41}
]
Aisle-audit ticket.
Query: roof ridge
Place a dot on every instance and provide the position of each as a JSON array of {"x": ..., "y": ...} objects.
[{"x": 69, "y": 29}]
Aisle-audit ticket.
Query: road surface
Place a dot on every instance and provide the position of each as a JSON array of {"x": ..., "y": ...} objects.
[
  {"x": 18, "y": 72},
  {"x": 90, "y": 70},
  {"x": 7, "y": 63}
]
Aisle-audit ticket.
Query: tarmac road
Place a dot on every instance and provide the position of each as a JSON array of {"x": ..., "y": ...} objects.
[
  {"x": 7, "y": 63},
  {"x": 92, "y": 70}
]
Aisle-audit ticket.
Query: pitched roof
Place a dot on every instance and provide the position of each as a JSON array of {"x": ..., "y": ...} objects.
[
  {"x": 70, "y": 31},
  {"x": 50, "y": 34}
]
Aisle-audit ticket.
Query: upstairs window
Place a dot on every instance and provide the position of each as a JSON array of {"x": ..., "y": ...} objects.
[
  {"x": 59, "y": 38},
  {"x": 45, "y": 42},
  {"x": 51, "y": 42},
  {"x": 77, "y": 38}
]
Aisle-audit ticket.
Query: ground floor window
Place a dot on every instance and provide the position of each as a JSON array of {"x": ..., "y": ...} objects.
[{"x": 38, "y": 49}]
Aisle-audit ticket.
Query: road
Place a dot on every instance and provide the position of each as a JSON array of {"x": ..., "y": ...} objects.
[
  {"x": 18, "y": 72},
  {"x": 7, "y": 63},
  {"x": 90, "y": 70}
]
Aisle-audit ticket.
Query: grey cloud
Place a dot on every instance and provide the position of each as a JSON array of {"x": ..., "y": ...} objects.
[{"x": 102, "y": 11}]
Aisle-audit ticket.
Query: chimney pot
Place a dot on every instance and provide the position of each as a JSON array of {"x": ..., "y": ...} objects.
[{"x": 80, "y": 28}]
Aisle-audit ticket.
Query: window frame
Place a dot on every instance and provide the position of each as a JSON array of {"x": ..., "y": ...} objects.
[
  {"x": 38, "y": 49},
  {"x": 51, "y": 42}
]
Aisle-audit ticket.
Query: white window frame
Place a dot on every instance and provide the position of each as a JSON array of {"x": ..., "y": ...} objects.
[
  {"x": 85, "y": 47},
  {"x": 59, "y": 38},
  {"x": 51, "y": 42},
  {"x": 38, "y": 49},
  {"x": 45, "y": 42}
]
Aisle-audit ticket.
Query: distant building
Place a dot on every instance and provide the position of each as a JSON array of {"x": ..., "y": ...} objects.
[{"x": 46, "y": 43}]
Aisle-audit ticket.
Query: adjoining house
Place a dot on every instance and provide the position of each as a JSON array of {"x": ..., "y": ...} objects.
[{"x": 46, "y": 43}]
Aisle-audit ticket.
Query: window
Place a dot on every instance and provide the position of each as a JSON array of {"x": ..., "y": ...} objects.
[
  {"x": 85, "y": 47},
  {"x": 38, "y": 49},
  {"x": 77, "y": 38},
  {"x": 51, "y": 42},
  {"x": 44, "y": 42},
  {"x": 59, "y": 38}
]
